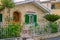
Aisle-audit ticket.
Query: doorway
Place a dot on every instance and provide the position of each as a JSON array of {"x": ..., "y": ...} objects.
[{"x": 16, "y": 16}]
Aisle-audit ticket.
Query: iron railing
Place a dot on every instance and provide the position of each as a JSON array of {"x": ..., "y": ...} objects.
[
  {"x": 33, "y": 30},
  {"x": 40, "y": 29},
  {"x": 7, "y": 31}
]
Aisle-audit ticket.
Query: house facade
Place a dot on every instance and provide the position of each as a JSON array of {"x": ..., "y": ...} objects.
[{"x": 26, "y": 12}]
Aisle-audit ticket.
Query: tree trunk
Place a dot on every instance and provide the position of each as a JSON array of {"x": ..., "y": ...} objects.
[{"x": 8, "y": 11}]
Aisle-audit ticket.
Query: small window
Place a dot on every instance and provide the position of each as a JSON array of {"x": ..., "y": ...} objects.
[
  {"x": 0, "y": 17},
  {"x": 52, "y": 6},
  {"x": 30, "y": 18}
]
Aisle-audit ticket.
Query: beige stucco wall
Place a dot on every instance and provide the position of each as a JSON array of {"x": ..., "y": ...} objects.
[
  {"x": 57, "y": 8},
  {"x": 57, "y": 5},
  {"x": 56, "y": 11},
  {"x": 24, "y": 8}
]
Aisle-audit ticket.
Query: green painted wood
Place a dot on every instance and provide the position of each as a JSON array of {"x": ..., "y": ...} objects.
[{"x": 0, "y": 17}]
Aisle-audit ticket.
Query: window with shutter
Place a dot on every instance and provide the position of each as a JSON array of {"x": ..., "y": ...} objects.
[
  {"x": 0, "y": 17},
  {"x": 35, "y": 20},
  {"x": 30, "y": 18},
  {"x": 26, "y": 18}
]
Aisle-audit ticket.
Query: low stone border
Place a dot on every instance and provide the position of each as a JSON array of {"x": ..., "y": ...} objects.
[
  {"x": 39, "y": 37},
  {"x": 18, "y": 38},
  {"x": 43, "y": 37},
  {"x": 50, "y": 35}
]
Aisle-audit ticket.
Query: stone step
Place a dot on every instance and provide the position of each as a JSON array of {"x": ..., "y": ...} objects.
[{"x": 30, "y": 39}]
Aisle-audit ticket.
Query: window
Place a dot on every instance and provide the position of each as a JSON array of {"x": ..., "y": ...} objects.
[
  {"x": 52, "y": 6},
  {"x": 30, "y": 18},
  {"x": 0, "y": 17}
]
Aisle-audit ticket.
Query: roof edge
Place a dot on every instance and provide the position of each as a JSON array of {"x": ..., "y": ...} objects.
[{"x": 36, "y": 3}]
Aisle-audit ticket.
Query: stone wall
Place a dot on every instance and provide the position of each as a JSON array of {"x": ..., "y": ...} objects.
[{"x": 23, "y": 9}]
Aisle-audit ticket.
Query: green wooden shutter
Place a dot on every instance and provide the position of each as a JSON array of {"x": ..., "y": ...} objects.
[
  {"x": 26, "y": 18},
  {"x": 35, "y": 20},
  {"x": 0, "y": 17}
]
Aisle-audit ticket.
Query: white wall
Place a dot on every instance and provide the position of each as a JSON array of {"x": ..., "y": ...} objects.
[
  {"x": 18, "y": 0},
  {"x": 44, "y": 0}
]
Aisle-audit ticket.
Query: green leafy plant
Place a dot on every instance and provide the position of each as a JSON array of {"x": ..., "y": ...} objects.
[
  {"x": 40, "y": 32},
  {"x": 1, "y": 32},
  {"x": 54, "y": 27},
  {"x": 52, "y": 24},
  {"x": 54, "y": 30},
  {"x": 51, "y": 17},
  {"x": 1, "y": 7},
  {"x": 45, "y": 29},
  {"x": 11, "y": 30},
  {"x": 7, "y": 4}
]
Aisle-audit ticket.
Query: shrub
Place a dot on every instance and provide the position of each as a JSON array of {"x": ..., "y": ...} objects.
[
  {"x": 54, "y": 27},
  {"x": 11, "y": 30},
  {"x": 54, "y": 30},
  {"x": 51, "y": 17},
  {"x": 45, "y": 29},
  {"x": 1, "y": 32},
  {"x": 1, "y": 7}
]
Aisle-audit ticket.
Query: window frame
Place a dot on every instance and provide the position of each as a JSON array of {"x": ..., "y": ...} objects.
[
  {"x": 53, "y": 6},
  {"x": 31, "y": 13}
]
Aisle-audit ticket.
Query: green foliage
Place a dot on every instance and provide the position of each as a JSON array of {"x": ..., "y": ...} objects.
[
  {"x": 51, "y": 17},
  {"x": 8, "y": 3},
  {"x": 40, "y": 32},
  {"x": 54, "y": 27},
  {"x": 54, "y": 30},
  {"x": 1, "y": 7},
  {"x": 46, "y": 28},
  {"x": 0, "y": 33},
  {"x": 11, "y": 30}
]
